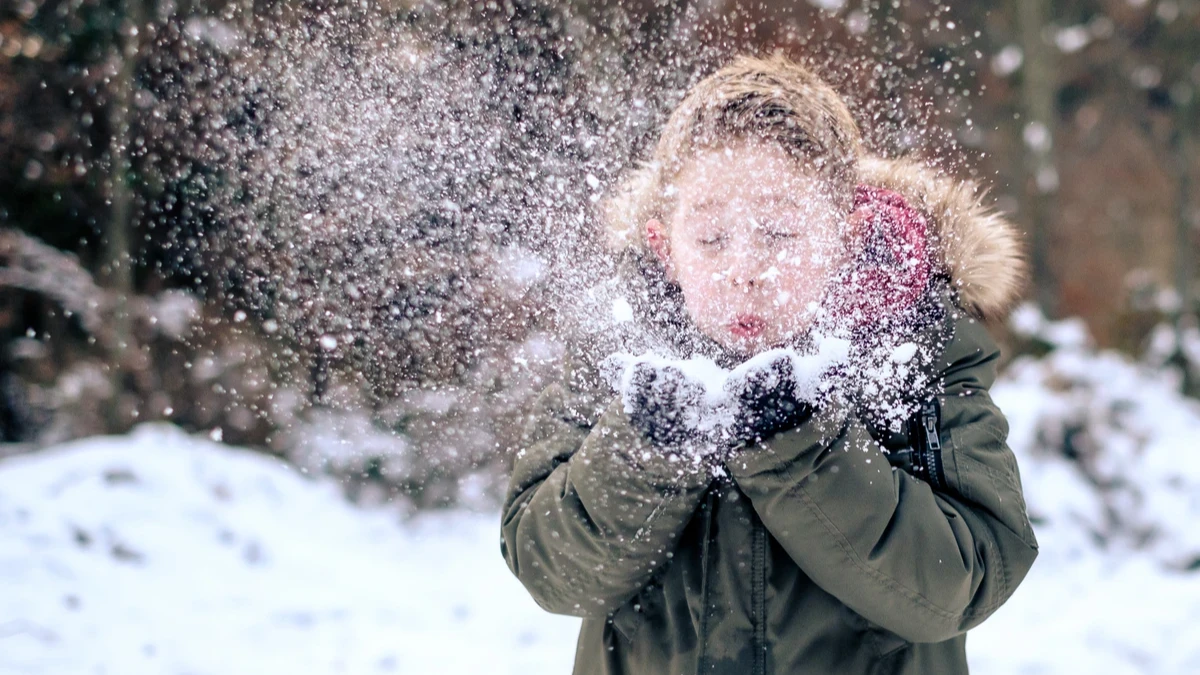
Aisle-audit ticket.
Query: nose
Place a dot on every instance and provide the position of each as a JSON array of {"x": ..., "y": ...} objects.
[
  {"x": 746, "y": 281},
  {"x": 747, "y": 265}
]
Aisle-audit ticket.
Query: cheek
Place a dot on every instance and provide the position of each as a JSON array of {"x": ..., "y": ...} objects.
[
  {"x": 704, "y": 296},
  {"x": 813, "y": 263},
  {"x": 803, "y": 278},
  {"x": 699, "y": 289},
  {"x": 797, "y": 288}
]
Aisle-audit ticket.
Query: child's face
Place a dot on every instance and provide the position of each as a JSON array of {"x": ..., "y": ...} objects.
[{"x": 752, "y": 242}]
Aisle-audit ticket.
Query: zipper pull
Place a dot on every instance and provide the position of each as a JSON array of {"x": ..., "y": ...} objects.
[
  {"x": 929, "y": 420},
  {"x": 932, "y": 452}
]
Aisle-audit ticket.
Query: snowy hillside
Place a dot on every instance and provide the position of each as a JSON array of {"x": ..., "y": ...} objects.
[
  {"x": 164, "y": 553},
  {"x": 161, "y": 553}
]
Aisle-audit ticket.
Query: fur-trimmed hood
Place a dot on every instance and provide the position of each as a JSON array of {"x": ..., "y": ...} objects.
[
  {"x": 780, "y": 102},
  {"x": 977, "y": 248}
]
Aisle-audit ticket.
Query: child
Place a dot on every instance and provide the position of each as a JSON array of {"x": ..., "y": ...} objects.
[{"x": 856, "y": 527}]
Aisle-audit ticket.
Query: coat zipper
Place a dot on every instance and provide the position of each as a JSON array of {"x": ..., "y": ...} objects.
[
  {"x": 923, "y": 457},
  {"x": 931, "y": 419},
  {"x": 758, "y": 595},
  {"x": 704, "y": 609}
]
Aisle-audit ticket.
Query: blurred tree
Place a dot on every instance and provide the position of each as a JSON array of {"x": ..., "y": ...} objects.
[
  {"x": 1037, "y": 132},
  {"x": 118, "y": 258},
  {"x": 1179, "y": 93}
]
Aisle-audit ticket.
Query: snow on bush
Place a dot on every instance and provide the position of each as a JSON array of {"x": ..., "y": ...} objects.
[{"x": 1106, "y": 445}]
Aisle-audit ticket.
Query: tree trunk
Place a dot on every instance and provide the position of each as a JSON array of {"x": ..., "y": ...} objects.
[
  {"x": 118, "y": 260},
  {"x": 1185, "y": 245},
  {"x": 1038, "y": 131}
]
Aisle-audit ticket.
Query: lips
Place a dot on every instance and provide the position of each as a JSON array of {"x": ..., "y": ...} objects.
[{"x": 747, "y": 325}]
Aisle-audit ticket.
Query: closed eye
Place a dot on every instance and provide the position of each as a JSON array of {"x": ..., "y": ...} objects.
[
  {"x": 782, "y": 234},
  {"x": 713, "y": 241}
]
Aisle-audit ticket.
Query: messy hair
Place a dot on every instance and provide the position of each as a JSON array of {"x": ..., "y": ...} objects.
[{"x": 772, "y": 99}]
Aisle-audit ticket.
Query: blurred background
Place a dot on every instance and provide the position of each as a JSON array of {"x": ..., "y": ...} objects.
[{"x": 309, "y": 260}]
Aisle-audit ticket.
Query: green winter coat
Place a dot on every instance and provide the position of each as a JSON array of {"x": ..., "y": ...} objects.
[{"x": 811, "y": 555}]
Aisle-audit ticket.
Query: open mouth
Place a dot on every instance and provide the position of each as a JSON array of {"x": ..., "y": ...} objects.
[{"x": 747, "y": 325}]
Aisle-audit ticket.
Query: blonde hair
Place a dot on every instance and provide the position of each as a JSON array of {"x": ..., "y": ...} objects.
[{"x": 769, "y": 99}]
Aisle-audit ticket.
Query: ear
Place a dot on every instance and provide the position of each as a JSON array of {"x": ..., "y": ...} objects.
[{"x": 656, "y": 238}]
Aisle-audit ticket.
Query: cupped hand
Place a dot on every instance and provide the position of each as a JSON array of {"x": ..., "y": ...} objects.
[
  {"x": 663, "y": 403},
  {"x": 765, "y": 400}
]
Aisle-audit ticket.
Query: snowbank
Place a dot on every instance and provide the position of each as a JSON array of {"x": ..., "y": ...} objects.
[
  {"x": 1108, "y": 454},
  {"x": 163, "y": 553}
]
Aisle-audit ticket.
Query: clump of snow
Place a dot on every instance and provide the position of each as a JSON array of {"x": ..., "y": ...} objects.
[
  {"x": 1145, "y": 76},
  {"x": 1072, "y": 38},
  {"x": 1007, "y": 60},
  {"x": 719, "y": 386},
  {"x": 175, "y": 312},
  {"x": 538, "y": 349},
  {"x": 622, "y": 311},
  {"x": 904, "y": 353},
  {"x": 220, "y": 34},
  {"x": 828, "y": 5},
  {"x": 1037, "y": 136},
  {"x": 520, "y": 269},
  {"x": 1029, "y": 322},
  {"x": 1168, "y": 343},
  {"x": 340, "y": 442}
]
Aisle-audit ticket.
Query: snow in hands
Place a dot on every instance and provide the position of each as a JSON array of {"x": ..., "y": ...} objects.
[{"x": 697, "y": 404}]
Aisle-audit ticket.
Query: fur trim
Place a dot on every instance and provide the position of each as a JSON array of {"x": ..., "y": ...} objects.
[{"x": 979, "y": 249}]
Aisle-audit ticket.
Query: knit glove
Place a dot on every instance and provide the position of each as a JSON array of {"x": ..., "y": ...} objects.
[
  {"x": 765, "y": 402},
  {"x": 663, "y": 404}
]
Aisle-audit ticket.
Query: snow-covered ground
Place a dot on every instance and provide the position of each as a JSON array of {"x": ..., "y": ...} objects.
[
  {"x": 168, "y": 554},
  {"x": 1119, "y": 528},
  {"x": 165, "y": 553}
]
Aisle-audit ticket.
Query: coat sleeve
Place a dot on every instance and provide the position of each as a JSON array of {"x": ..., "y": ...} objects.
[
  {"x": 925, "y": 565},
  {"x": 592, "y": 509}
]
